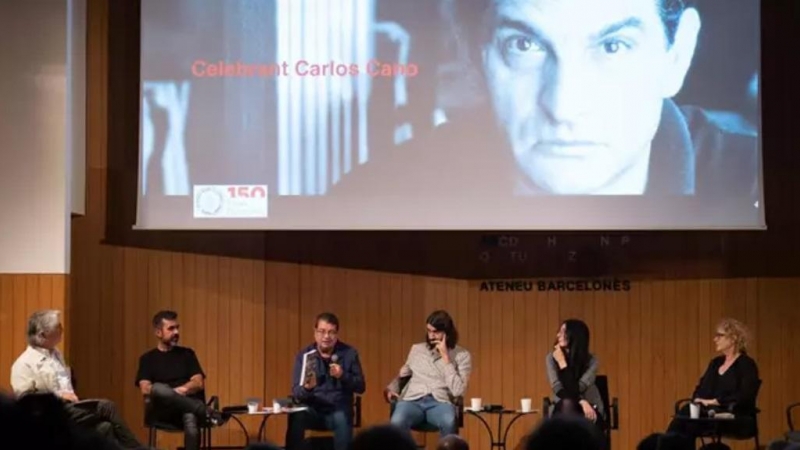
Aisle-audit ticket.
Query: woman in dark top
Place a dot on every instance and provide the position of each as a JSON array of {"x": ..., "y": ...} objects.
[
  {"x": 571, "y": 370},
  {"x": 729, "y": 385}
]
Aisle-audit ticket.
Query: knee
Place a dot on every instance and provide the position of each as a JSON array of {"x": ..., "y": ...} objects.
[
  {"x": 105, "y": 429},
  {"x": 340, "y": 420},
  {"x": 106, "y": 405},
  {"x": 403, "y": 416},
  {"x": 399, "y": 416},
  {"x": 447, "y": 420},
  {"x": 160, "y": 390}
]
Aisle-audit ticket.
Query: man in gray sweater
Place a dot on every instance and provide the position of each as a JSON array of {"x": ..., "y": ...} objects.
[{"x": 435, "y": 374}]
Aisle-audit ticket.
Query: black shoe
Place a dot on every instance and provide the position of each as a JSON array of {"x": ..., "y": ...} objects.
[{"x": 217, "y": 418}]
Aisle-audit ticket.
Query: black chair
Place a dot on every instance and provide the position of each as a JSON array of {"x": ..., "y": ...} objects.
[
  {"x": 425, "y": 427},
  {"x": 154, "y": 425},
  {"x": 610, "y": 421},
  {"x": 792, "y": 435},
  {"x": 321, "y": 437},
  {"x": 747, "y": 423}
]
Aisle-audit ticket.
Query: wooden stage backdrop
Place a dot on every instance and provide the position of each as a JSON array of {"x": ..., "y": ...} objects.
[{"x": 246, "y": 319}]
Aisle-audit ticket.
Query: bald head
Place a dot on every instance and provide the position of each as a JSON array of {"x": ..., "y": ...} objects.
[{"x": 452, "y": 442}]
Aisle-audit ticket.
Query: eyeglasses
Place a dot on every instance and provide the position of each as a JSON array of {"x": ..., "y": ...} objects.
[
  {"x": 719, "y": 335},
  {"x": 328, "y": 333}
]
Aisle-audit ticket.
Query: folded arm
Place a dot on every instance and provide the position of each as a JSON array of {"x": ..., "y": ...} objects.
[
  {"x": 588, "y": 377},
  {"x": 552, "y": 376},
  {"x": 195, "y": 384},
  {"x": 457, "y": 374}
]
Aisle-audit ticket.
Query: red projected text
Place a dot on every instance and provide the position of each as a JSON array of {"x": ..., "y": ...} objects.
[{"x": 303, "y": 68}]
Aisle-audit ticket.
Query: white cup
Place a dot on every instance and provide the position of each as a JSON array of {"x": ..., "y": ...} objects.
[
  {"x": 694, "y": 410},
  {"x": 276, "y": 407},
  {"x": 477, "y": 404},
  {"x": 525, "y": 405},
  {"x": 252, "y": 406}
]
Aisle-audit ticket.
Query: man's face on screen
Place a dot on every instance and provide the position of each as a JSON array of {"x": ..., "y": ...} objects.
[{"x": 578, "y": 86}]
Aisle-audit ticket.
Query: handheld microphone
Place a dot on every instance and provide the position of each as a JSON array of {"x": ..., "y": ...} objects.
[{"x": 335, "y": 359}]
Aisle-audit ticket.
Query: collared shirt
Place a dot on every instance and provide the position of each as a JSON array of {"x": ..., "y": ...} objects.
[
  {"x": 40, "y": 370},
  {"x": 430, "y": 375}
]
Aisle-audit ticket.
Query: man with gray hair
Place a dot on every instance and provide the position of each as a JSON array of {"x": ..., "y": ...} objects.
[{"x": 41, "y": 369}]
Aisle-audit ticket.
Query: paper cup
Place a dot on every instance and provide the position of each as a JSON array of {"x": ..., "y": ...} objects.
[
  {"x": 525, "y": 405},
  {"x": 694, "y": 411},
  {"x": 477, "y": 404}
]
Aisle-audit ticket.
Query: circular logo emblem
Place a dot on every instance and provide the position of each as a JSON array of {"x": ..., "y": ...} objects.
[{"x": 209, "y": 201}]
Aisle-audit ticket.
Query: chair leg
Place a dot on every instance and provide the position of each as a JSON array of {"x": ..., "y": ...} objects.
[
  {"x": 204, "y": 441},
  {"x": 151, "y": 437}
]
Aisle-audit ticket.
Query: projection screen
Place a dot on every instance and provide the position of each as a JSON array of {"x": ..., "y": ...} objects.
[{"x": 450, "y": 114}]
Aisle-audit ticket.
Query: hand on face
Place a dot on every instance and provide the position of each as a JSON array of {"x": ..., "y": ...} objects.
[
  {"x": 558, "y": 355},
  {"x": 441, "y": 346}
]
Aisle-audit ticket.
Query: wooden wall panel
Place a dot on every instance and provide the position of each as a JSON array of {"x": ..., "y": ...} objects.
[
  {"x": 248, "y": 319},
  {"x": 21, "y": 296}
]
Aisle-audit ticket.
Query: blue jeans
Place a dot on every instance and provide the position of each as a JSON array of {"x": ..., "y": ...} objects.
[
  {"x": 337, "y": 421},
  {"x": 426, "y": 410}
]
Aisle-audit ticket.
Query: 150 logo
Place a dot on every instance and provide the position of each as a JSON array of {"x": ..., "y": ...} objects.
[{"x": 231, "y": 201}]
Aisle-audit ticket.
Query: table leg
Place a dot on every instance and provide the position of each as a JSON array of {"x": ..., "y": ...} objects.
[
  {"x": 262, "y": 428},
  {"x": 486, "y": 426},
  {"x": 244, "y": 430},
  {"x": 508, "y": 428}
]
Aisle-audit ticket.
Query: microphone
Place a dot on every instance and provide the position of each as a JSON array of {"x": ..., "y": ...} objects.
[{"x": 334, "y": 360}]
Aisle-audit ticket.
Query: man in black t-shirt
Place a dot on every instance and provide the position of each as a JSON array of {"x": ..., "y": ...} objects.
[{"x": 173, "y": 380}]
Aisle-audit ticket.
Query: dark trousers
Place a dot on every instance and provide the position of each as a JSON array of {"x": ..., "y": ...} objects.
[
  {"x": 102, "y": 417},
  {"x": 573, "y": 408},
  {"x": 180, "y": 411},
  {"x": 743, "y": 426},
  {"x": 337, "y": 421}
]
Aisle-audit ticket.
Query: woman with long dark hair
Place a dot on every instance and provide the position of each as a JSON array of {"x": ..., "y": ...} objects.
[{"x": 572, "y": 369}]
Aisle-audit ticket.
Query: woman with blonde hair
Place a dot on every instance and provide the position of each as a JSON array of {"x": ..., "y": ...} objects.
[{"x": 729, "y": 384}]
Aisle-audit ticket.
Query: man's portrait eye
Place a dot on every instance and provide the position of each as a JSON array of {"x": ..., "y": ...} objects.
[
  {"x": 520, "y": 44},
  {"x": 614, "y": 46}
]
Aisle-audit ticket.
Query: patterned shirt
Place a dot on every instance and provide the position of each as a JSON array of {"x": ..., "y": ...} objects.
[{"x": 40, "y": 370}]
